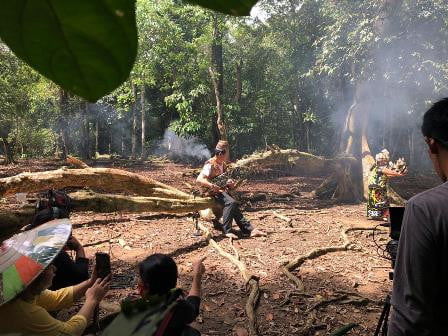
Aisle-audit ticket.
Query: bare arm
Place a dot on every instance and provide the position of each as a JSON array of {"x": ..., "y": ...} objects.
[
  {"x": 74, "y": 244},
  {"x": 391, "y": 173},
  {"x": 198, "y": 271},
  {"x": 80, "y": 289},
  {"x": 94, "y": 295},
  {"x": 203, "y": 181}
]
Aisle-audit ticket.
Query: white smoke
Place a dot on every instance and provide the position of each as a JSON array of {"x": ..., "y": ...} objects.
[{"x": 183, "y": 148}]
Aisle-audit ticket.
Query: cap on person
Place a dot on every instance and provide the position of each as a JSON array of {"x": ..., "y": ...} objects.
[{"x": 221, "y": 147}]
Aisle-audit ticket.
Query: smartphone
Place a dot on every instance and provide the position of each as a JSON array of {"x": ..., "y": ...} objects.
[{"x": 102, "y": 264}]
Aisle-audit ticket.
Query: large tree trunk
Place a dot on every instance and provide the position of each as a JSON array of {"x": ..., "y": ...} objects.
[
  {"x": 97, "y": 134},
  {"x": 114, "y": 180},
  {"x": 217, "y": 74},
  {"x": 8, "y": 151},
  {"x": 134, "y": 124},
  {"x": 62, "y": 122},
  {"x": 85, "y": 141},
  {"x": 345, "y": 184},
  {"x": 142, "y": 106},
  {"x": 239, "y": 82},
  {"x": 354, "y": 140}
]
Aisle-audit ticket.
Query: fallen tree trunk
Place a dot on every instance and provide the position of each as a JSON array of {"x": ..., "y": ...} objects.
[
  {"x": 110, "y": 179},
  {"x": 11, "y": 221},
  {"x": 103, "y": 203},
  {"x": 289, "y": 160}
]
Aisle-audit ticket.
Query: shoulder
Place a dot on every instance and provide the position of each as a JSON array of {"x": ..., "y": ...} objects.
[{"x": 430, "y": 199}]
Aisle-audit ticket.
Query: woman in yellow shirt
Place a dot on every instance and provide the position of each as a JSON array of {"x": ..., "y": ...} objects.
[{"x": 28, "y": 312}]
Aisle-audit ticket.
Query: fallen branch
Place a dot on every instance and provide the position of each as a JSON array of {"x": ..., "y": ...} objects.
[
  {"x": 250, "y": 279},
  {"x": 288, "y": 267},
  {"x": 101, "y": 241},
  {"x": 284, "y": 218},
  {"x": 327, "y": 301}
]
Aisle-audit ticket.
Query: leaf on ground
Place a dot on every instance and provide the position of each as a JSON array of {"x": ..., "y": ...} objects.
[
  {"x": 344, "y": 330},
  {"x": 269, "y": 317},
  {"x": 87, "y": 47},
  {"x": 232, "y": 7}
]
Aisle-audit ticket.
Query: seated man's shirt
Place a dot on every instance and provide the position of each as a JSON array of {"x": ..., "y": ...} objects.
[
  {"x": 212, "y": 169},
  {"x": 420, "y": 288},
  {"x": 33, "y": 318}
]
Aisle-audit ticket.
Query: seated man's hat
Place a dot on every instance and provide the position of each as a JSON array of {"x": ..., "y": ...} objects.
[{"x": 222, "y": 145}]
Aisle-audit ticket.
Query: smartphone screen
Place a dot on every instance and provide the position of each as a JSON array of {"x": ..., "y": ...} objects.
[{"x": 102, "y": 264}]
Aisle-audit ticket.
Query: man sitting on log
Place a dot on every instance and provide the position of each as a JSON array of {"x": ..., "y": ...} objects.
[{"x": 213, "y": 168}]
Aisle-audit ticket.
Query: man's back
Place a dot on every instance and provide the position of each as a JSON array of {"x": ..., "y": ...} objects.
[{"x": 420, "y": 291}]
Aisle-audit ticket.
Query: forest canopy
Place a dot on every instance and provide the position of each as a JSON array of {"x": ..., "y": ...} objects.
[{"x": 287, "y": 76}]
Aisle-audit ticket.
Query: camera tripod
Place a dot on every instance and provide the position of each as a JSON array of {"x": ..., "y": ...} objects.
[
  {"x": 381, "y": 327},
  {"x": 383, "y": 322}
]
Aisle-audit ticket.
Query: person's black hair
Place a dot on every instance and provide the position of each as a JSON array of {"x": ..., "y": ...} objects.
[
  {"x": 435, "y": 122},
  {"x": 158, "y": 273}
]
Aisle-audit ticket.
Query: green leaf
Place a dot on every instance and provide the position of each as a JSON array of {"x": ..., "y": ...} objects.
[
  {"x": 86, "y": 46},
  {"x": 232, "y": 7}
]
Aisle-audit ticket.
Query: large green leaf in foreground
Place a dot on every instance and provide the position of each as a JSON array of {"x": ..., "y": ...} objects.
[
  {"x": 86, "y": 46},
  {"x": 232, "y": 7}
]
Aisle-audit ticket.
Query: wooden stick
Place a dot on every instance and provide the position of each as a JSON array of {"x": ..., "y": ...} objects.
[{"x": 284, "y": 218}]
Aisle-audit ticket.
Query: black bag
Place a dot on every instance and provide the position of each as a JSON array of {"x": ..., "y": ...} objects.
[{"x": 52, "y": 205}]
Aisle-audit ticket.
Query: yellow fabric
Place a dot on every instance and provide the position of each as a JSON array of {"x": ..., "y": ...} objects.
[{"x": 32, "y": 318}]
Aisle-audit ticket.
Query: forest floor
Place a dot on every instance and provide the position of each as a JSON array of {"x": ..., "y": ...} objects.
[{"x": 331, "y": 281}]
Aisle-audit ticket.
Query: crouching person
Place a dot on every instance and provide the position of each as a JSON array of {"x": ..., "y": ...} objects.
[
  {"x": 162, "y": 310},
  {"x": 26, "y": 274}
]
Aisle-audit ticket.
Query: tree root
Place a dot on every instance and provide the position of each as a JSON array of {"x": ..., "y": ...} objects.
[
  {"x": 283, "y": 218},
  {"x": 250, "y": 279},
  {"x": 290, "y": 266}
]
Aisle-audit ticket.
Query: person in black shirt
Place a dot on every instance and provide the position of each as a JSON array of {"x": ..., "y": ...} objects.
[
  {"x": 420, "y": 292},
  {"x": 157, "y": 287},
  {"x": 70, "y": 272}
]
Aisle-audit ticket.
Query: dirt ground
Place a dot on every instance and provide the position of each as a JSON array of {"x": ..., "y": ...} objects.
[{"x": 282, "y": 310}]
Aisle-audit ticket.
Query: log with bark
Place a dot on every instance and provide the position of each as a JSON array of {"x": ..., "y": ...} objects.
[
  {"x": 290, "y": 161},
  {"x": 110, "y": 179},
  {"x": 86, "y": 200}
]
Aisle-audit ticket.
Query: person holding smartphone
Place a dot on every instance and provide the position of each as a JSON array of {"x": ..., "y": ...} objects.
[
  {"x": 26, "y": 308},
  {"x": 162, "y": 308},
  {"x": 70, "y": 271}
]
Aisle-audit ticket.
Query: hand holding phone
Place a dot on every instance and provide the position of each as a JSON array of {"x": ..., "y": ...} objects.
[{"x": 102, "y": 265}]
